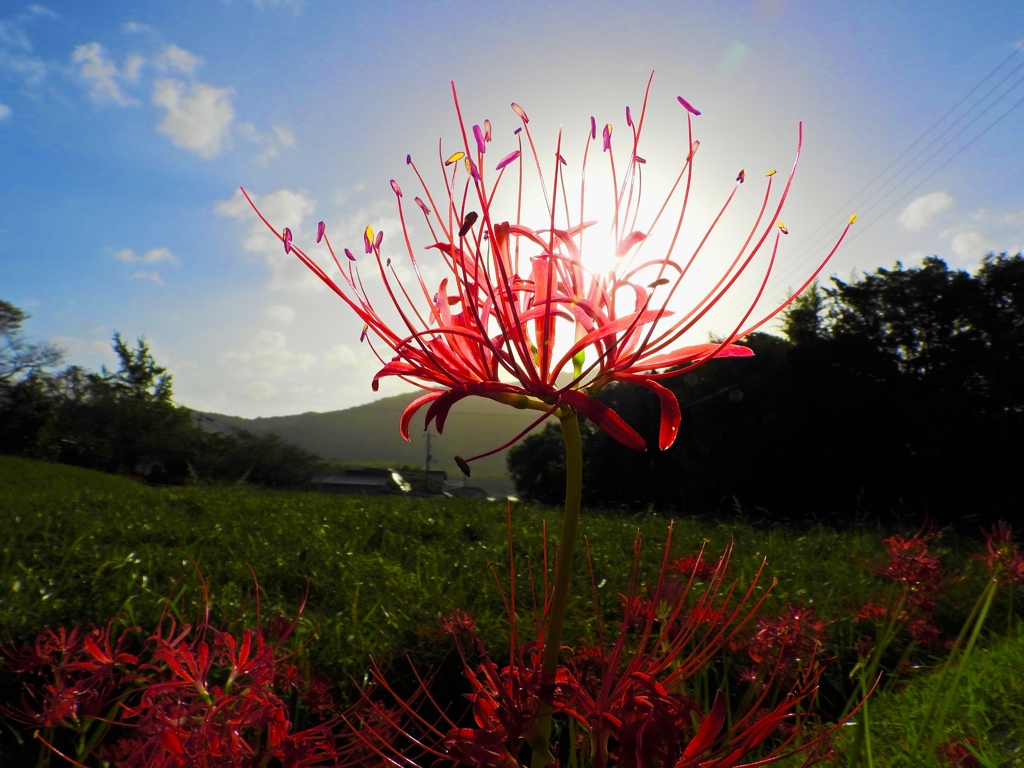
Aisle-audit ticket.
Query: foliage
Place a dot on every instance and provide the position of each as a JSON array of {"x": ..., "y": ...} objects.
[
  {"x": 20, "y": 358},
  {"x": 894, "y": 396},
  {"x": 384, "y": 575},
  {"x": 125, "y": 420}
]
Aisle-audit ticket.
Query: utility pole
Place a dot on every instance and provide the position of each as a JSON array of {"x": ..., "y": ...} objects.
[{"x": 426, "y": 465}]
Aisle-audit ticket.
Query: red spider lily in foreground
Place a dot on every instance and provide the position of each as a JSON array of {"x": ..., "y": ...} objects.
[
  {"x": 189, "y": 696},
  {"x": 525, "y": 315},
  {"x": 631, "y": 701}
]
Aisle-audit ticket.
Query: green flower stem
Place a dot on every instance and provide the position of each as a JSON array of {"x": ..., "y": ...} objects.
[{"x": 563, "y": 577}]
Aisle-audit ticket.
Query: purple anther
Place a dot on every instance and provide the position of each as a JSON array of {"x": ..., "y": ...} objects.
[
  {"x": 478, "y": 134},
  {"x": 367, "y": 234},
  {"x": 362, "y": 336},
  {"x": 640, "y": 160},
  {"x": 741, "y": 176},
  {"x": 377, "y": 241},
  {"x": 509, "y": 158},
  {"x": 320, "y": 231},
  {"x": 468, "y": 222},
  {"x": 422, "y": 205},
  {"x": 607, "y": 137},
  {"x": 487, "y": 130},
  {"x": 394, "y": 186},
  {"x": 286, "y": 238},
  {"x": 689, "y": 107},
  {"x": 349, "y": 254},
  {"x": 517, "y": 130},
  {"x": 519, "y": 111},
  {"x": 593, "y": 127},
  {"x": 471, "y": 167},
  {"x": 408, "y": 159},
  {"x": 561, "y": 159},
  {"x": 629, "y": 118}
]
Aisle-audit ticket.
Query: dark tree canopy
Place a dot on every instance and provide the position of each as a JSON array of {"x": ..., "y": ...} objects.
[{"x": 898, "y": 393}]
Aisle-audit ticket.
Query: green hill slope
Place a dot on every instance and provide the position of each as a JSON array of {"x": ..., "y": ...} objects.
[
  {"x": 369, "y": 433},
  {"x": 27, "y": 476}
]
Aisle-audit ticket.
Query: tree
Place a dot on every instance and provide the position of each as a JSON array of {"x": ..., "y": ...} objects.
[
  {"x": 899, "y": 392},
  {"x": 18, "y": 357}
]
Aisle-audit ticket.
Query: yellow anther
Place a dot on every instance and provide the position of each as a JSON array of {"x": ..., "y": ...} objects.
[
  {"x": 782, "y": 226},
  {"x": 853, "y": 218},
  {"x": 771, "y": 172},
  {"x": 455, "y": 158}
]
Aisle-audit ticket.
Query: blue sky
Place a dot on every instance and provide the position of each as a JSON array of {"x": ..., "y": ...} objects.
[{"x": 126, "y": 129}]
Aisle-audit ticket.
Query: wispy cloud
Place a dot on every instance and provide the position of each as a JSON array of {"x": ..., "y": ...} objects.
[
  {"x": 268, "y": 357},
  {"x": 17, "y": 59},
  {"x": 152, "y": 277},
  {"x": 102, "y": 78},
  {"x": 287, "y": 205},
  {"x": 176, "y": 59},
  {"x": 152, "y": 256},
  {"x": 5, "y": 112},
  {"x": 281, "y": 313},
  {"x": 271, "y": 143}
]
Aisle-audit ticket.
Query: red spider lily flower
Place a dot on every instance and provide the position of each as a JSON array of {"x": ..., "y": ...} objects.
[
  {"x": 910, "y": 564},
  {"x": 1003, "y": 559},
  {"x": 70, "y": 676},
  {"x": 525, "y": 314},
  {"x": 788, "y": 642},
  {"x": 692, "y": 566},
  {"x": 641, "y": 714},
  {"x": 958, "y": 754},
  {"x": 631, "y": 701},
  {"x": 457, "y": 623}
]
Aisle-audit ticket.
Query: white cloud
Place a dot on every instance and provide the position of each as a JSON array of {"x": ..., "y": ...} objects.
[
  {"x": 271, "y": 144},
  {"x": 198, "y": 116},
  {"x": 268, "y": 357},
  {"x": 260, "y": 390},
  {"x": 284, "y": 208},
  {"x": 295, "y": 5},
  {"x": 922, "y": 211},
  {"x": 5, "y": 111},
  {"x": 970, "y": 247},
  {"x": 16, "y": 59},
  {"x": 177, "y": 59},
  {"x": 41, "y": 10},
  {"x": 153, "y": 277},
  {"x": 342, "y": 356},
  {"x": 152, "y": 256},
  {"x": 101, "y": 75},
  {"x": 136, "y": 28},
  {"x": 281, "y": 313}
]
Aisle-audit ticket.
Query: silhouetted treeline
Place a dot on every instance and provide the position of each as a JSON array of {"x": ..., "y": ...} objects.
[
  {"x": 125, "y": 421},
  {"x": 898, "y": 394}
]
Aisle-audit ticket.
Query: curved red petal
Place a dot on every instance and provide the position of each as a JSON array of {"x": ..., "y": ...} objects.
[
  {"x": 606, "y": 418},
  {"x": 709, "y": 729},
  {"x": 671, "y": 416},
  {"x": 410, "y": 411}
]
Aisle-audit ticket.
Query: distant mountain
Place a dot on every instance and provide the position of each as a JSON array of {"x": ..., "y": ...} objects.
[{"x": 369, "y": 433}]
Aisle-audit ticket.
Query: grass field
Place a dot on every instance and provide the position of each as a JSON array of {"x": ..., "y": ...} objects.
[{"x": 378, "y": 575}]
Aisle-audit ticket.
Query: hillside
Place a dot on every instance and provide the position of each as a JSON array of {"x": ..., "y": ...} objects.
[{"x": 369, "y": 433}]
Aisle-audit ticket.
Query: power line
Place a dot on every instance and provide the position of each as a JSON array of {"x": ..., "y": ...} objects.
[{"x": 886, "y": 184}]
